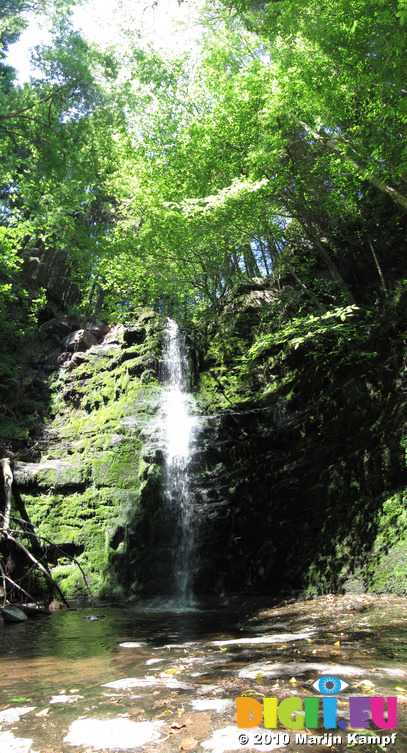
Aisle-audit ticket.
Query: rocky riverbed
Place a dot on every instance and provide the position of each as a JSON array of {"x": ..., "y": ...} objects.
[{"x": 159, "y": 680}]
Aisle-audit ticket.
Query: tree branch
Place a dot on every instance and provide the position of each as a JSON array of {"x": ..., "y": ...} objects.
[
  {"x": 8, "y": 481},
  {"x": 39, "y": 565}
]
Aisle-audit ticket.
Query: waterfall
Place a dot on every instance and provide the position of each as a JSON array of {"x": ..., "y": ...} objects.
[{"x": 179, "y": 426}]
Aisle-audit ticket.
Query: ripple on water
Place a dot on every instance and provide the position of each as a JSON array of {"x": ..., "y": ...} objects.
[
  {"x": 65, "y": 656},
  {"x": 265, "y": 669}
]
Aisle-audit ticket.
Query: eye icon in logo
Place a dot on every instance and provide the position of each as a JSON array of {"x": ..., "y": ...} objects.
[{"x": 329, "y": 685}]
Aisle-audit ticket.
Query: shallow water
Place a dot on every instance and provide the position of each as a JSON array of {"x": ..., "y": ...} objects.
[{"x": 162, "y": 680}]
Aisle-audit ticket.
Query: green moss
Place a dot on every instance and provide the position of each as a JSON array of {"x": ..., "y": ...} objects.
[
  {"x": 11, "y": 428},
  {"x": 387, "y": 569},
  {"x": 118, "y": 469},
  {"x": 92, "y": 475},
  {"x": 307, "y": 413},
  {"x": 54, "y": 473}
]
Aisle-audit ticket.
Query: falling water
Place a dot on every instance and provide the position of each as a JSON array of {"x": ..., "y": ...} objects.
[{"x": 180, "y": 425}]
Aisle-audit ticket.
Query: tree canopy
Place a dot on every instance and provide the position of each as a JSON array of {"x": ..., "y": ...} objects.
[{"x": 274, "y": 147}]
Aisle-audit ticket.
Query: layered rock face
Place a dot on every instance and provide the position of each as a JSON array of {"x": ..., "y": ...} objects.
[
  {"x": 304, "y": 477},
  {"x": 98, "y": 463},
  {"x": 298, "y": 478}
]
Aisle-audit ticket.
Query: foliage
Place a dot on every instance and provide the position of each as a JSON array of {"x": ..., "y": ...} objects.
[
  {"x": 242, "y": 164},
  {"x": 18, "y": 310},
  {"x": 306, "y": 328},
  {"x": 167, "y": 178},
  {"x": 254, "y": 188}
]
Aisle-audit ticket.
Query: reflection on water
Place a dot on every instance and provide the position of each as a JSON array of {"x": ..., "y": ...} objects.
[
  {"x": 66, "y": 645},
  {"x": 190, "y": 664}
]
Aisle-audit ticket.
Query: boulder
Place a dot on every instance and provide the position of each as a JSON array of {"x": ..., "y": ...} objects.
[
  {"x": 60, "y": 327},
  {"x": 56, "y": 605},
  {"x": 115, "y": 335},
  {"x": 77, "y": 359},
  {"x": 11, "y": 613},
  {"x": 80, "y": 340},
  {"x": 99, "y": 329}
]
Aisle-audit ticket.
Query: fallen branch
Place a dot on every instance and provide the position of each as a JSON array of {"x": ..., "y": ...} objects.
[
  {"x": 8, "y": 481},
  {"x": 39, "y": 565},
  {"x": 28, "y": 529},
  {"x": 38, "y": 538},
  {"x": 3, "y": 577},
  {"x": 15, "y": 585}
]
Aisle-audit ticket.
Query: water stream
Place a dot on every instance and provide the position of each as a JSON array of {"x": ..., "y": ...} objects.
[
  {"x": 164, "y": 681},
  {"x": 179, "y": 427}
]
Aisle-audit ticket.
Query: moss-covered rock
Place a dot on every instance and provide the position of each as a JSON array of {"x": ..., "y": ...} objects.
[
  {"x": 84, "y": 493},
  {"x": 304, "y": 445},
  {"x": 300, "y": 476},
  {"x": 53, "y": 474}
]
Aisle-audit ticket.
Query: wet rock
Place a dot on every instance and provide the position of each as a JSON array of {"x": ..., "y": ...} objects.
[
  {"x": 99, "y": 329},
  {"x": 278, "y": 669},
  {"x": 11, "y": 744},
  {"x": 277, "y": 638},
  {"x": 56, "y": 605},
  {"x": 11, "y": 613},
  {"x": 63, "y": 698},
  {"x": 33, "y": 610},
  {"x": 128, "y": 683},
  {"x": 110, "y": 734},
  {"x": 94, "y": 617},
  {"x": 131, "y": 644},
  {"x": 227, "y": 739},
  {"x": 219, "y": 705},
  {"x": 10, "y": 716}
]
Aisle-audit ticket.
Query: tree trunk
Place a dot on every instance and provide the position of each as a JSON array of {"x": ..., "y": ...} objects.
[
  {"x": 379, "y": 269},
  {"x": 8, "y": 482},
  {"x": 332, "y": 144},
  {"x": 302, "y": 284}
]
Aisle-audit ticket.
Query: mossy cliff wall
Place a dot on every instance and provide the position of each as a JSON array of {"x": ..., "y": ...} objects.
[
  {"x": 304, "y": 479},
  {"x": 98, "y": 465},
  {"x": 299, "y": 477}
]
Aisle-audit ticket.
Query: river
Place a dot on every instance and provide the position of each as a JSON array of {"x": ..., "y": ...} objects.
[{"x": 147, "y": 679}]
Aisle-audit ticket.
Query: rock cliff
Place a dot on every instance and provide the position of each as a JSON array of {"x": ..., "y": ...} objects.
[
  {"x": 94, "y": 465},
  {"x": 299, "y": 475}
]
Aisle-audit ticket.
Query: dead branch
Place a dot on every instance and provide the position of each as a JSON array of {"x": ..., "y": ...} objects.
[
  {"x": 38, "y": 564},
  {"x": 44, "y": 539},
  {"x": 28, "y": 529},
  {"x": 8, "y": 481},
  {"x": 3, "y": 577},
  {"x": 15, "y": 585}
]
